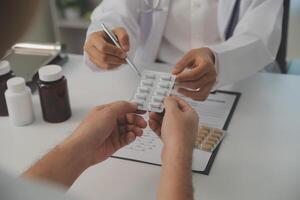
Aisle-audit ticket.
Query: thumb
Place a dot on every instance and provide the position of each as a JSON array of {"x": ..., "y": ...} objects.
[
  {"x": 185, "y": 62},
  {"x": 123, "y": 38},
  {"x": 121, "y": 108},
  {"x": 171, "y": 105}
]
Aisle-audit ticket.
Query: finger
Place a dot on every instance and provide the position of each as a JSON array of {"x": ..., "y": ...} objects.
[
  {"x": 122, "y": 121},
  {"x": 171, "y": 105},
  {"x": 111, "y": 60},
  {"x": 156, "y": 116},
  {"x": 155, "y": 127},
  {"x": 129, "y": 138},
  {"x": 136, "y": 120},
  {"x": 102, "y": 65},
  {"x": 205, "y": 92},
  {"x": 104, "y": 57},
  {"x": 105, "y": 47},
  {"x": 193, "y": 74},
  {"x": 186, "y": 61},
  {"x": 123, "y": 38},
  {"x": 115, "y": 138},
  {"x": 200, "y": 95},
  {"x": 183, "y": 105},
  {"x": 121, "y": 108},
  {"x": 137, "y": 130},
  {"x": 209, "y": 77}
]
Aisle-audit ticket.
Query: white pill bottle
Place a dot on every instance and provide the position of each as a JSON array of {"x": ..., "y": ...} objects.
[{"x": 19, "y": 102}]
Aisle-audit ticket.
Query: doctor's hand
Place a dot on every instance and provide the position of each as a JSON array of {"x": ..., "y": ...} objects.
[
  {"x": 103, "y": 53},
  {"x": 177, "y": 128},
  {"x": 196, "y": 74}
]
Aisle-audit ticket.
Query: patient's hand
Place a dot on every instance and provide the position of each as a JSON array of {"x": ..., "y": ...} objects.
[
  {"x": 178, "y": 127},
  {"x": 177, "y": 130},
  {"x": 107, "y": 129}
]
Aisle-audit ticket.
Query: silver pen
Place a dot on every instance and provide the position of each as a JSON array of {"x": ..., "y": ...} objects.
[{"x": 115, "y": 40}]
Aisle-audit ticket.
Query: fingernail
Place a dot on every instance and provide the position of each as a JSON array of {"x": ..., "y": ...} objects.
[{"x": 174, "y": 71}]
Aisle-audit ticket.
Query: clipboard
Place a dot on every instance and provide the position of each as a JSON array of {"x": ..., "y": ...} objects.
[{"x": 215, "y": 152}]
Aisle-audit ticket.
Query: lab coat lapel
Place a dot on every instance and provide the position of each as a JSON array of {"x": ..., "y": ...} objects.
[
  {"x": 149, "y": 51},
  {"x": 224, "y": 13}
]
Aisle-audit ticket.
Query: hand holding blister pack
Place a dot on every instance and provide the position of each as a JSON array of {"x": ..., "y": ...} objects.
[{"x": 152, "y": 90}]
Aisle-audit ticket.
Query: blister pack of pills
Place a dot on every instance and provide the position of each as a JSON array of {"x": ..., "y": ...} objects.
[
  {"x": 207, "y": 139},
  {"x": 153, "y": 88}
]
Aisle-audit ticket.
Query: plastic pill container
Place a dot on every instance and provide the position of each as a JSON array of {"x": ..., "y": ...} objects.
[
  {"x": 19, "y": 102},
  {"x": 54, "y": 95},
  {"x": 5, "y": 75}
]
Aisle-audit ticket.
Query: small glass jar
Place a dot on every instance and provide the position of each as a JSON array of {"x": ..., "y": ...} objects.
[
  {"x": 54, "y": 96},
  {"x": 5, "y": 75}
]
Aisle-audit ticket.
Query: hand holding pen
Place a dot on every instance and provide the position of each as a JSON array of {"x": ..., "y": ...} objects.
[
  {"x": 108, "y": 49},
  {"x": 103, "y": 53}
]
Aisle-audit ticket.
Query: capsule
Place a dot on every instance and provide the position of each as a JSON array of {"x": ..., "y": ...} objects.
[
  {"x": 210, "y": 142},
  {"x": 166, "y": 78},
  {"x": 141, "y": 96},
  {"x": 164, "y": 85},
  {"x": 150, "y": 76},
  {"x": 217, "y": 135},
  {"x": 155, "y": 105},
  {"x": 161, "y": 92},
  {"x": 144, "y": 89},
  {"x": 200, "y": 140},
  {"x": 207, "y": 147},
  {"x": 203, "y": 131},
  {"x": 139, "y": 102},
  {"x": 214, "y": 140},
  {"x": 158, "y": 99},
  {"x": 205, "y": 128},
  {"x": 218, "y": 131},
  {"x": 147, "y": 83}
]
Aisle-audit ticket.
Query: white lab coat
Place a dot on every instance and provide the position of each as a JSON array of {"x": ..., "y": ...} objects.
[{"x": 253, "y": 46}]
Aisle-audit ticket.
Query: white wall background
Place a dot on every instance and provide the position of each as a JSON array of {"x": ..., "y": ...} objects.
[
  {"x": 41, "y": 28},
  {"x": 294, "y": 31}
]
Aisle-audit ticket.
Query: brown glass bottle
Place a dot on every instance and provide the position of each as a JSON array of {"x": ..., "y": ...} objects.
[
  {"x": 54, "y": 96},
  {"x": 5, "y": 75}
]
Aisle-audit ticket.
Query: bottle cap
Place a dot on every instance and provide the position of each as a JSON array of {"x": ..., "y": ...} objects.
[
  {"x": 50, "y": 73},
  {"x": 16, "y": 84},
  {"x": 4, "y": 67}
]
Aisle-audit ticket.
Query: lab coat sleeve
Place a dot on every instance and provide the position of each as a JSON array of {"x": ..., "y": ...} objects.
[
  {"x": 254, "y": 44},
  {"x": 115, "y": 13}
]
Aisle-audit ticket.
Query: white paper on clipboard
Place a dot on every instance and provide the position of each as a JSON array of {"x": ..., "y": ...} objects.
[{"x": 214, "y": 112}]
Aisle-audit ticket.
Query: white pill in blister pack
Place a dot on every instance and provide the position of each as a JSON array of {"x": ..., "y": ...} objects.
[
  {"x": 147, "y": 83},
  {"x": 153, "y": 88},
  {"x": 141, "y": 96},
  {"x": 144, "y": 89},
  {"x": 157, "y": 98},
  {"x": 166, "y": 78},
  {"x": 164, "y": 84}
]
